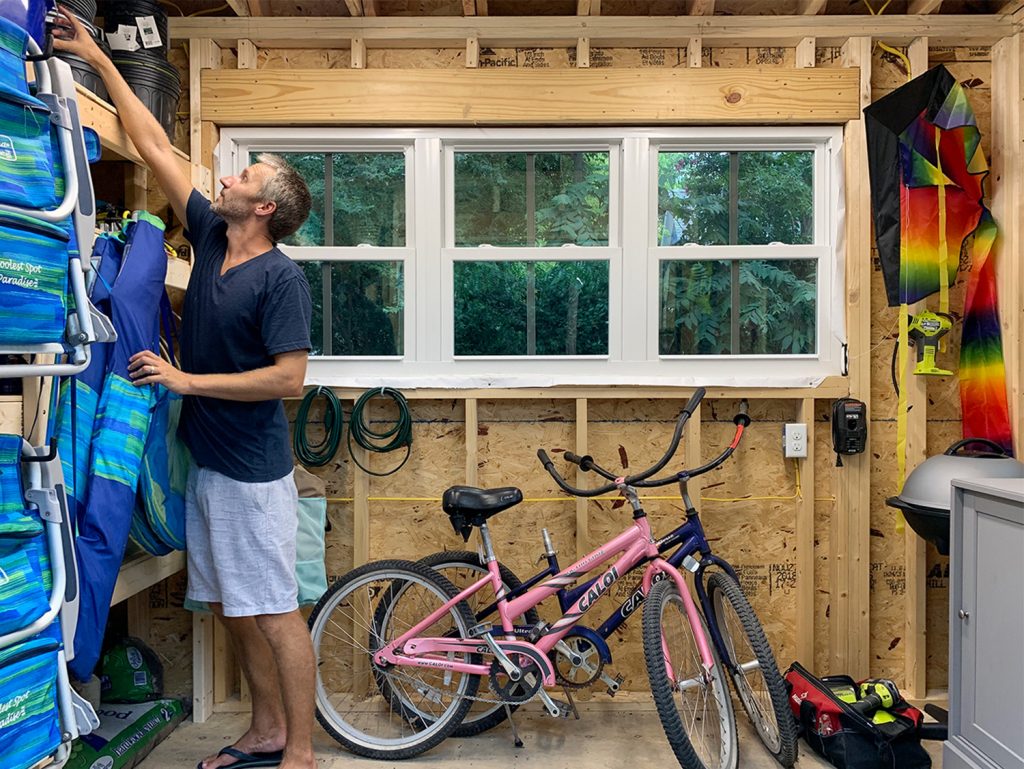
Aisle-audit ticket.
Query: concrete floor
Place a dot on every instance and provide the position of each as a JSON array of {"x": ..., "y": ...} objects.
[{"x": 609, "y": 733}]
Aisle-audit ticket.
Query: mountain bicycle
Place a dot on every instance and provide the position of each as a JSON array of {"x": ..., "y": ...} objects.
[
  {"x": 582, "y": 656},
  {"x": 394, "y": 681}
]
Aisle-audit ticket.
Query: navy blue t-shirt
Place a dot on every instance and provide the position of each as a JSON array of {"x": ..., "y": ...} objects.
[{"x": 232, "y": 323}]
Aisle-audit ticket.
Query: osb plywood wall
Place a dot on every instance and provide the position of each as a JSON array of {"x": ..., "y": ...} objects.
[{"x": 749, "y": 506}]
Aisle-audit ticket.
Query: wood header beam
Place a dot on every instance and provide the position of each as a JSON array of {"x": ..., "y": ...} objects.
[
  {"x": 524, "y": 97},
  {"x": 603, "y": 31}
]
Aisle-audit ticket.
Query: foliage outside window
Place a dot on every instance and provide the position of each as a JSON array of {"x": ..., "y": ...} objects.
[
  {"x": 357, "y": 305},
  {"x": 738, "y": 305}
]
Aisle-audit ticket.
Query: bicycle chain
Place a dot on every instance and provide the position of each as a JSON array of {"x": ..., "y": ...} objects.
[{"x": 421, "y": 685}]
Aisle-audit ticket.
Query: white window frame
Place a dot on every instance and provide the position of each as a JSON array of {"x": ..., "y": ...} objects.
[{"x": 632, "y": 253}]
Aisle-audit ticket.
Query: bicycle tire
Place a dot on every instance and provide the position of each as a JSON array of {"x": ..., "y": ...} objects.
[
  {"x": 701, "y": 692},
  {"x": 343, "y": 594},
  {"x": 773, "y": 720},
  {"x": 479, "y": 721}
]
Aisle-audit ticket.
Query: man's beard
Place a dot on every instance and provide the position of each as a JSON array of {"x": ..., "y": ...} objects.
[{"x": 232, "y": 210}]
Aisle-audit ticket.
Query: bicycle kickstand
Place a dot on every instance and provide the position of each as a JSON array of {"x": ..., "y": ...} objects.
[
  {"x": 516, "y": 739},
  {"x": 571, "y": 703}
]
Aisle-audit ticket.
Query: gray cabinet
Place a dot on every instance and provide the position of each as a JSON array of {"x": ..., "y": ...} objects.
[{"x": 986, "y": 626}]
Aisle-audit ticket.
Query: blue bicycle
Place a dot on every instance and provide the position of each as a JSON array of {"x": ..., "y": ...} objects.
[{"x": 580, "y": 658}]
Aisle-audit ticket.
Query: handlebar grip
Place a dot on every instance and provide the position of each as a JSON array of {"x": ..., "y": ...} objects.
[
  {"x": 545, "y": 459},
  {"x": 570, "y": 457},
  {"x": 695, "y": 399},
  {"x": 585, "y": 462},
  {"x": 742, "y": 417}
]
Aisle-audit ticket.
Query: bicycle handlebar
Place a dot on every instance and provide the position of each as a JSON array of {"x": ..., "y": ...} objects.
[{"x": 586, "y": 463}]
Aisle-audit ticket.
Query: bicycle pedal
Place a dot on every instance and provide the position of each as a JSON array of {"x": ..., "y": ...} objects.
[
  {"x": 480, "y": 630},
  {"x": 555, "y": 708}
]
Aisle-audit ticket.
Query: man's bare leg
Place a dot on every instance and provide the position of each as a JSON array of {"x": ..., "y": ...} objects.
[
  {"x": 267, "y": 730},
  {"x": 290, "y": 643}
]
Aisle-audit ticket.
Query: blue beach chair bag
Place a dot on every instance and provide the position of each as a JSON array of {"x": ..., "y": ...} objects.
[
  {"x": 25, "y": 578},
  {"x": 27, "y": 169},
  {"x": 29, "y": 715},
  {"x": 33, "y": 280}
]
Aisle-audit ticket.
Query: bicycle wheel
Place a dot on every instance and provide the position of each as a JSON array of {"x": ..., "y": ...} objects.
[
  {"x": 753, "y": 669},
  {"x": 463, "y": 568},
  {"x": 352, "y": 705},
  {"x": 693, "y": 704}
]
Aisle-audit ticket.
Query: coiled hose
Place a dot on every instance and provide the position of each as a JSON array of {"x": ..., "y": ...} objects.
[
  {"x": 397, "y": 436},
  {"x": 320, "y": 453}
]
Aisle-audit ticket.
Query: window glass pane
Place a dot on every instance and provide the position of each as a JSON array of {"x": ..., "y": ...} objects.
[
  {"x": 311, "y": 166},
  {"x": 776, "y": 197},
  {"x": 531, "y": 199},
  {"x": 771, "y": 311},
  {"x": 366, "y": 307},
  {"x": 531, "y": 308},
  {"x": 693, "y": 198},
  {"x": 735, "y": 198},
  {"x": 369, "y": 198}
]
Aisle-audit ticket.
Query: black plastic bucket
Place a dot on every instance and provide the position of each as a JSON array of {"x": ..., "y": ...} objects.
[
  {"x": 84, "y": 74},
  {"x": 155, "y": 82},
  {"x": 128, "y": 13},
  {"x": 83, "y": 9}
]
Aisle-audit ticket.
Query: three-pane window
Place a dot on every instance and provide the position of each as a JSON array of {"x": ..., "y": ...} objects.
[{"x": 573, "y": 255}]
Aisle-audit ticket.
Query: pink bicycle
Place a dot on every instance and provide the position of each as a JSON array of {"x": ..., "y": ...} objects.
[{"x": 401, "y": 656}]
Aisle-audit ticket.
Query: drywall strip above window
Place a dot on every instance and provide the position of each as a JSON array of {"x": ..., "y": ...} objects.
[{"x": 529, "y": 97}]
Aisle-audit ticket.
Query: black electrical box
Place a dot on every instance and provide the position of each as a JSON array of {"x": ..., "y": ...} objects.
[{"x": 849, "y": 426}]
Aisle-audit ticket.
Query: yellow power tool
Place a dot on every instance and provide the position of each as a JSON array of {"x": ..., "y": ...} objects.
[{"x": 925, "y": 330}]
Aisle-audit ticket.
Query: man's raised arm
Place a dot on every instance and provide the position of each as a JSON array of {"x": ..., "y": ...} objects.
[{"x": 142, "y": 128}]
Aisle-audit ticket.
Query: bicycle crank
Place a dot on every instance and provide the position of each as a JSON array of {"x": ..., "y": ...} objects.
[{"x": 531, "y": 666}]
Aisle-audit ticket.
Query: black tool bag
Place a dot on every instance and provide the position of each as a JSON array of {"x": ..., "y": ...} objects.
[{"x": 844, "y": 737}]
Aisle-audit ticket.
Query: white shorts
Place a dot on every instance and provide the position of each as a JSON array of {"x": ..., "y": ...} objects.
[{"x": 241, "y": 543}]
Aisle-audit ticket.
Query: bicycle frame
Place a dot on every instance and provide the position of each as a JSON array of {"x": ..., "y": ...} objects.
[
  {"x": 636, "y": 546},
  {"x": 688, "y": 539}
]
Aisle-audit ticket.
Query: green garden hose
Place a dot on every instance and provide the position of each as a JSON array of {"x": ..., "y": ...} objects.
[
  {"x": 398, "y": 436},
  {"x": 320, "y": 453}
]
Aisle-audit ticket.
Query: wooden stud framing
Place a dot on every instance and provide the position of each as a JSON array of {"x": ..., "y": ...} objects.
[
  {"x": 583, "y": 545},
  {"x": 811, "y": 7},
  {"x": 360, "y": 508},
  {"x": 246, "y": 54},
  {"x": 805, "y": 51},
  {"x": 136, "y": 179},
  {"x": 203, "y": 54},
  {"x": 525, "y": 96},
  {"x": 915, "y": 653},
  {"x": 1007, "y": 203},
  {"x": 603, "y": 31},
  {"x": 583, "y": 52},
  {"x": 355, "y": 7},
  {"x": 138, "y": 616},
  {"x": 694, "y": 52},
  {"x": 472, "y": 447},
  {"x": 481, "y": 7},
  {"x": 203, "y": 654},
  {"x": 851, "y": 633},
  {"x": 225, "y": 668},
  {"x": 358, "y": 53},
  {"x": 692, "y": 442},
  {"x": 469, "y": 7},
  {"x": 473, "y": 52},
  {"x": 805, "y": 542},
  {"x": 370, "y": 8},
  {"x": 582, "y": 7},
  {"x": 702, "y": 7}
]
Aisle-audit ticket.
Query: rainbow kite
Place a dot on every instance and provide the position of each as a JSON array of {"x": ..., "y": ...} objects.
[{"x": 927, "y": 173}]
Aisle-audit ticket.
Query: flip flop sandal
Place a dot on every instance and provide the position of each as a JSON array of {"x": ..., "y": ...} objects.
[{"x": 245, "y": 760}]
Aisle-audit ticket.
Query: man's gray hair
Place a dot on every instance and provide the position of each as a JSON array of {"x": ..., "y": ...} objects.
[{"x": 288, "y": 190}]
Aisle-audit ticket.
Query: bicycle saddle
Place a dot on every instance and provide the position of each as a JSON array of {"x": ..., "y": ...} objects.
[{"x": 468, "y": 506}]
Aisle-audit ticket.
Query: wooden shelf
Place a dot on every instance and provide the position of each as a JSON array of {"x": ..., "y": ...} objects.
[
  {"x": 143, "y": 571},
  {"x": 102, "y": 118}
]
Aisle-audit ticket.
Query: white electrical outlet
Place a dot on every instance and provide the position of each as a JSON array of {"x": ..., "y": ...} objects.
[{"x": 794, "y": 440}]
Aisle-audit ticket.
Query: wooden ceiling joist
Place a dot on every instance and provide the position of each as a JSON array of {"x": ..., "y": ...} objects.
[
  {"x": 370, "y": 8},
  {"x": 240, "y": 7},
  {"x": 259, "y": 7},
  {"x": 919, "y": 7},
  {"x": 603, "y": 31},
  {"x": 355, "y": 7},
  {"x": 469, "y": 7},
  {"x": 702, "y": 7}
]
